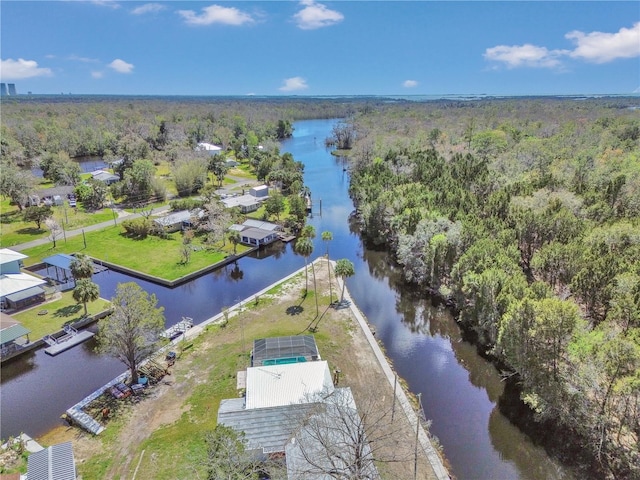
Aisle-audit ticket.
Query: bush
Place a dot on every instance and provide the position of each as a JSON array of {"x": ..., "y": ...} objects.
[
  {"x": 185, "y": 204},
  {"x": 137, "y": 227}
]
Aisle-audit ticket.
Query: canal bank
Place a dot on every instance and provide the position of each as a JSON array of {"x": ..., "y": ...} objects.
[
  {"x": 460, "y": 390},
  {"x": 344, "y": 340}
]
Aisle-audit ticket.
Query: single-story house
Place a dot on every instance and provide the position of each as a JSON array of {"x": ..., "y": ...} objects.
[
  {"x": 257, "y": 237},
  {"x": 262, "y": 225},
  {"x": 11, "y": 333},
  {"x": 17, "y": 289},
  {"x": 47, "y": 194},
  {"x": 10, "y": 260},
  {"x": 246, "y": 203},
  {"x": 105, "y": 177},
  {"x": 177, "y": 220}
]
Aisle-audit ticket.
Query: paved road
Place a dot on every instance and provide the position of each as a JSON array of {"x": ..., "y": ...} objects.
[{"x": 90, "y": 228}]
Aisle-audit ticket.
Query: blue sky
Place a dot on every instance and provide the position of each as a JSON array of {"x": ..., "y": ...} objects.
[{"x": 321, "y": 48}]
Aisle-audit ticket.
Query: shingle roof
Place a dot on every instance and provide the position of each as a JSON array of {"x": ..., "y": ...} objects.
[{"x": 268, "y": 429}]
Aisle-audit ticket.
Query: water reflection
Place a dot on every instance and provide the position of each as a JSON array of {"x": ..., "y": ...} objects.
[{"x": 459, "y": 388}]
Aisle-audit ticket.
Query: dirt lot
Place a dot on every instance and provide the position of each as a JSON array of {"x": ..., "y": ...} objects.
[{"x": 184, "y": 404}]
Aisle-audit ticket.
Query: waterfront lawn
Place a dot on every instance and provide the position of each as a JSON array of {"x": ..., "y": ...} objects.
[
  {"x": 160, "y": 257},
  {"x": 16, "y": 231},
  {"x": 204, "y": 375},
  {"x": 59, "y": 312}
]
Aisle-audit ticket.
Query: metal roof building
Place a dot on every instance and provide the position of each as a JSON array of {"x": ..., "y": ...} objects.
[
  {"x": 277, "y": 385},
  {"x": 53, "y": 463}
]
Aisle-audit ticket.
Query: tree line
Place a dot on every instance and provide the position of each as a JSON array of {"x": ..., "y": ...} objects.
[{"x": 524, "y": 215}]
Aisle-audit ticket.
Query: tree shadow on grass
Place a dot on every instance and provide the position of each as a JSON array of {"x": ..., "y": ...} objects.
[
  {"x": 68, "y": 311},
  {"x": 30, "y": 231},
  {"x": 294, "y": 310}
]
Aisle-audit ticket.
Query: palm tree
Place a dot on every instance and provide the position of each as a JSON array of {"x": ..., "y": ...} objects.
[
  {"x": 234, "y": 238},
  {"x": 304, "y": 246},
  {"x": 344, "y": 269},
  {"x": 81, "y": 267},
  {"x": 86, "y": 291},
  {"x": 327, "y": 236}
]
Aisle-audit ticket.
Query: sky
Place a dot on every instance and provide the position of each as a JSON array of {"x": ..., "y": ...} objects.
[{"x": 317, "y": 48}]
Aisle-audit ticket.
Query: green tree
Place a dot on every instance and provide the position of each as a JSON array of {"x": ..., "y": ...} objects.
[
  {"x": 189, "y": 175},
  {"x": 228, "y": 459},
  {"x": 234, "y": 238},
  {"x": 15, "y": 183},
  {"x": 86, "y": 291},
  {"x": 81, "y": 266},
  {"x": 138, "y": 181},
  {"x": 274, "y": 205},
  {"x": 37, "y": 214},
  {"x": 297, "y": 207},
  {"x": 60, "y": 169},
  {"x": 344, "y": 269},
  {"x": 218, "y": 166},
  {"x": 327, "y": 237},
  {"x": 131, "y": 332},
  {"x": 92, "y": 193},
  {"x": 304, "y": 247}
]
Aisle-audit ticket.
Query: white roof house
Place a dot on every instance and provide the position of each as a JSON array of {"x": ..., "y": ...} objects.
[
  {"x": 277, "y": 385},
  {"x": 208, "y": 147},
  {"x": 16, "y": 282},
  {"x": 7, "y": 256}
]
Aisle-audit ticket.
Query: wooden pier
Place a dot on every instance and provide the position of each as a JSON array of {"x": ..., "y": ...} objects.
[{"x": 71, "y": 338}]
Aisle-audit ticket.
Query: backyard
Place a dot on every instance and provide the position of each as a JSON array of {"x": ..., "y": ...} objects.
[{"x": 162, "y": 436}]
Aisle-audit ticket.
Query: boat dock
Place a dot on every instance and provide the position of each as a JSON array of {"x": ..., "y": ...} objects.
[
  {"x": 71, "y": 338},
  {"x": 178, "y": 329}
]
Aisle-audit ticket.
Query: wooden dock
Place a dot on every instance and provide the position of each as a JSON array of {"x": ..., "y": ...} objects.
[{"x": 71, "y": 338}]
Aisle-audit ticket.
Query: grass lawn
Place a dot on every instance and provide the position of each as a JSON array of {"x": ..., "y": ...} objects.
[
  {"x": 162, "y": 437},
  {"x": 59, "y": 313},
  {"x": 153, "y": 255},
  {"x": 16, "y": 231},
  {"x": 210, "y": 366}
]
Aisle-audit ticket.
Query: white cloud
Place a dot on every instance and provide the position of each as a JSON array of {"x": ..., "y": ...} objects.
[
  {"x": 216, "y": 14},
  {"x": 77, "y": 58},
  {"x": 148, "y": 8},
  {"x": 19, "y": 69},
  {"x": 97, "y": 74},
  {"x": 524, "y": 56},
  {"x": 121, "y": 66},
  {"x": 106, "y": 3},
  {"x": 600, "y": 47},
  {"x": 596, "y": 47},
  {"x": 316, "y": 15},
  {"x": 409, "y": 84},
  {"x": 294, "y": 83}
]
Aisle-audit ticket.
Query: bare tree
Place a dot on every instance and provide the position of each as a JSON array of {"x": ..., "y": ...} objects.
[
  {"x": 55, "y": 230},
  {"x": 336, "y": 439}
]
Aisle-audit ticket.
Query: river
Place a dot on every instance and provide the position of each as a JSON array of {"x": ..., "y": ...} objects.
[{"x": 459, "y": 389}]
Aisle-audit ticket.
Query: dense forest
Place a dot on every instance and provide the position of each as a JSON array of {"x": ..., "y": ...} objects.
[{"x": 522, "y": 214}]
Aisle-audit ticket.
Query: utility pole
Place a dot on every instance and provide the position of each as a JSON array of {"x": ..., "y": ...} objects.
[{"x": 415, "y": 454}]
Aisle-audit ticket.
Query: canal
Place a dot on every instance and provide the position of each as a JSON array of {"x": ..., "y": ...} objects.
[{"x": 459, "y": 389}]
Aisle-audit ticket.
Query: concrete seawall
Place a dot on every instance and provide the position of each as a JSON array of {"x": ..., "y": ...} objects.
[{"x": 402, "y": 398}]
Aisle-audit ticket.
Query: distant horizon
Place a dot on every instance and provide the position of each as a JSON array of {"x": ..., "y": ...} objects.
[{"x": 434, "y": 96}]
